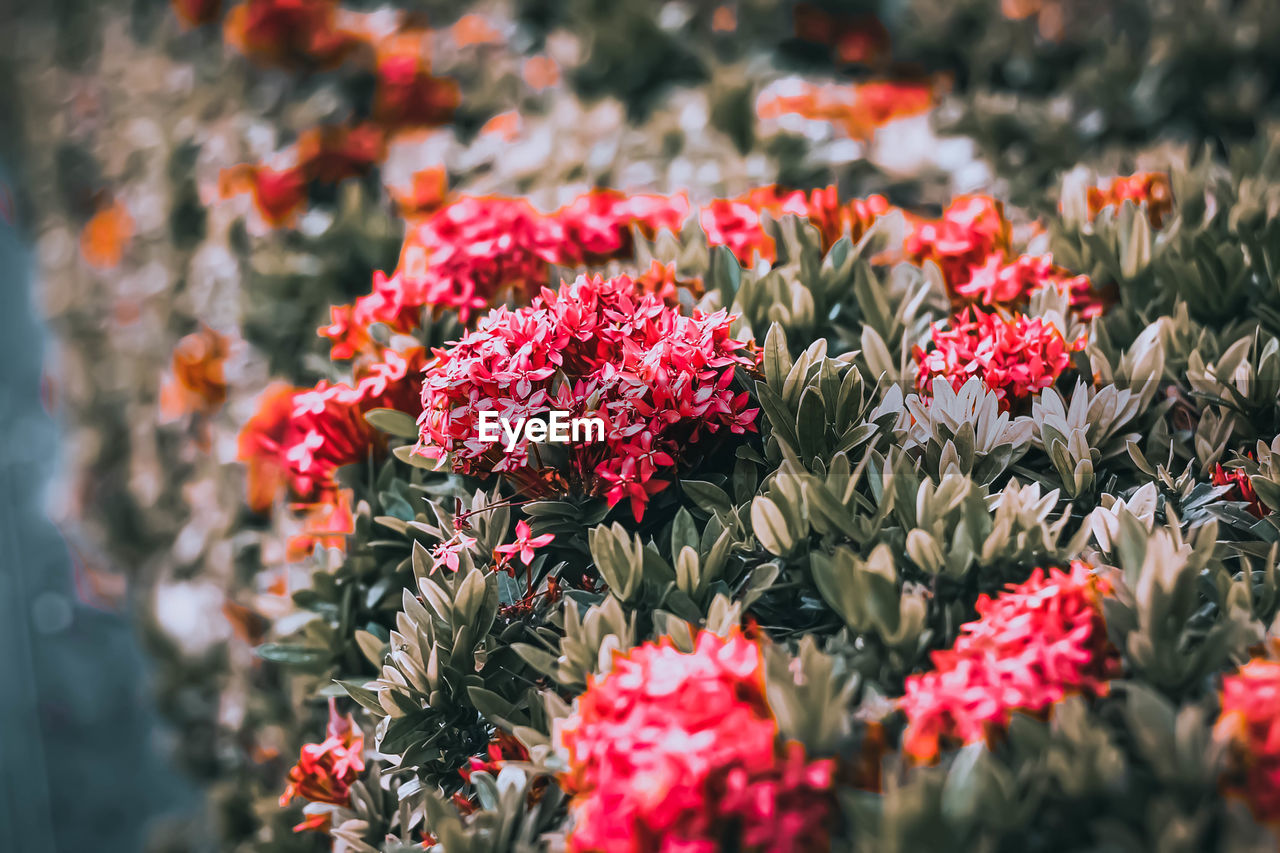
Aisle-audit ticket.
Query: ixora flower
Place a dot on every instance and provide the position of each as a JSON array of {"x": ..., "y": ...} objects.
[
  {"x": 197, "y": 383},
  {"x": 290, "y": 32},
  {"x": 406, "y": 93},
  {"x": 1150, "y": 188},
  {"x": 1250, "y": 722},
  {"x": 301, "y": 437},
  {"x": 970, "y": 230},
  {"x": 525, "y": 544},
  {"x": 1031, "y": 645},
  {"x": 325, "y": 770},
  {"x": 680, "y": 751},
  {"x": 1000, "y": 282},
  {"x": 600, "y": 349},
  {"x": 1015, "y": 357},
  {"x": 1241, "y": 489}
]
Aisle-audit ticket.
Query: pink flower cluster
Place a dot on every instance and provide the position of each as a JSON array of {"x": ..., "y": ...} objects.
[
  {"x": 971, "y": 244},
  {"x": 1015, "y": 357},
  {"x": 471, "y": 252},
  {"x": 599, "y": 348},
  {"x": 1250, "y": 721},
  {"x": 1030, "y": 646},
  {"x": 679, "y": 752},
  {"x": 301, "y": 437}
]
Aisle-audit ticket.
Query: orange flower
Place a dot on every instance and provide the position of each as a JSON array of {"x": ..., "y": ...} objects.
[
  {"x": 505, "y": 125},
  {"x": 541, "y": 72},
  {"x": 197, "y": 13},
  {"x": 326, "y": 525},
  {"x": 724, "y": 20},
  {"x": 334, "y": 153},
  {"x": 197, "y": 384},
  {"x": 427, "y": 193},
  {"x": 1149, "y": 188},
  {"x": 106, "y": 236},
  {"x": 859, "y": 109},
  {"x": 473, "y": 29},
  {"x": 278, "y": 194},
  {"x": 261, "y": 445}
]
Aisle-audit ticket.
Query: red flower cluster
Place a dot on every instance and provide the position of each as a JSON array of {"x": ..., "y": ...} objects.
[
  {"x": 998, "y": 282},
  {"x": 471, "y": 252},
  {"x": 1242, "y": 489},
  {"x": 674, "y": 751},
  {"x": 1015, "y": 357},
  {"x": 598, "y": 348},
  {"x": 970, "y": 243},
  {"x": 290, "y": 32},
  {"x": 1149, "y": 188},
  {"x": 1031, "y": 645},
  {"x": 325, "y": 770},
  {"x": 1250, "y": 720},
  {"x": 970, "y": 230},
  {"x": 301, "y": 437},
  {"x": 406, "y": 93},
  {"x": 323, "y": 155}
]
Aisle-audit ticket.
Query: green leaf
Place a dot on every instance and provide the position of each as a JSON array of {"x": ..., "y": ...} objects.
[{"x": 392, "y": 422}]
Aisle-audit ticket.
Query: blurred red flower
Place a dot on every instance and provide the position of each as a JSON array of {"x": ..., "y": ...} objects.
[
  {"x": 325, "y": 770},
  {"x": 1031, "y": 645},
  {"x": 290, "y": 32},
  {"x": 676, "y": 751},
  {"x": 1250, "y": 722},
  {"x": 1143, "y": 188}
]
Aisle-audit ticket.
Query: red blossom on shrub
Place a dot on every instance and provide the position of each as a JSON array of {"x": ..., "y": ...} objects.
[
  {"x": 447, "y": 555},
  {"x": 1241, "y": 489},
  {"x": 302, "y": 437},
  {"x": 290, "y": 32},
  {"x": 1150, "y": 188},
  {"x": 598, "y": 348},
  {"x": 1015, "y": 357},
  {"x": 999, "y": 282},
  {"x": 1250, "y": 722},
  {"x": 336, "y": 152},
  {"x": 278, "y": 194},
  {"x": 261, "y": 445},
  {"x": 406, "y": 93},
  {"x": 598, "y": 223},
  {"x": 676, "y": 751},
  {"x": 970, "y": 230},
  {"x": 1031, "y": 645},
  {"x": 525, "y": 544},
  {"x": 325, "y": 770}
]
